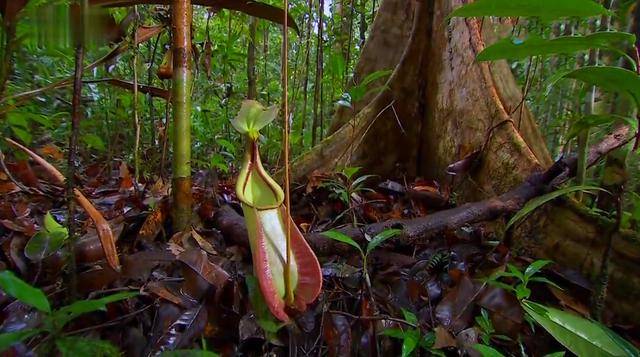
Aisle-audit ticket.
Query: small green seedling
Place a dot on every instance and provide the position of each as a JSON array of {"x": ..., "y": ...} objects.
[
  {"x": 520, "y": 288},
  {"x": 55, "y": 320},
  {"x": 375, "y": 242},
  {"x": 344, "y": 186},
  {"x": 412, "y": 337}
]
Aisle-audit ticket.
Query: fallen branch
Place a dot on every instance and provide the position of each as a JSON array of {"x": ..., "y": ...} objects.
[{"x": 416, "y": 230}]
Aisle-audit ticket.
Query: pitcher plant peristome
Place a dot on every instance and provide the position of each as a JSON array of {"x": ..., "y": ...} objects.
[{"x": 266, "y": 218}]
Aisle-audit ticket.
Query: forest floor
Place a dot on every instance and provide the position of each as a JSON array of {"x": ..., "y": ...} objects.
[{"x": 197, "y": 290}]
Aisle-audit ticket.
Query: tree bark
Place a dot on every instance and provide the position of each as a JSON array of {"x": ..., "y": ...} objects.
[{"x": 439, "y": 105}]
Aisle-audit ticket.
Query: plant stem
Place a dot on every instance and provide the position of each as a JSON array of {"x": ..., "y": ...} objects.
[
  {"x": 181, "y": 100},
  {"x": 600, "y": 294},
  {"x": 136, "y": 119},
  {"x": 76, "y": 116}
]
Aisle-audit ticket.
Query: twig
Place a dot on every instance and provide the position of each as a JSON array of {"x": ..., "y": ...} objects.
[
  {"x": 109, "y": 323},
  {"x": 377, "y": 317}
]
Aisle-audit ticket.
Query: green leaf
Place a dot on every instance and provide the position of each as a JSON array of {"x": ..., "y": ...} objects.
[
  {"x": 409, "y": 316},
  {"x": 598, "y": 120},
  {"x": 522, "y": 292},
  {"x": 579, "y": 335},
  {"x": 43, "y": 244},
  {"x": 341, "y": 237},
  {"x": 10, "y": 338},
  {"x": 428, "y": 340},
  {"x": 545, "y": 9},
  {"x": 612, "y": 79},
  {"x": 514, "y": 49},
  {"x": 93, "y": 141},
  {"x": 51, "y": 225},
  {"x": 65, "y": 314},
  {"x": 23, "y": 292},
  {"x": 372, "y": 77},
  {"x": 81, "y": 346},
  {"x": 410, "y": 342},
  {"x": 555, "y": 354},
  {"x": 22, "y": 134},
  {"x": 381, "y": 238},
  {"x": 348, "y": 172},
  {"x": 227, "y": 145},
  {"x": 189, "y": 353},
  {"x": 265, "y": 319},
  {"x": 540, "y": 201},
  {"x": 394, "y": 332},
  {"x": 540, "y": 279},
  {"x": 535, "y": 267},
  {"x": 487, "y": 351}
]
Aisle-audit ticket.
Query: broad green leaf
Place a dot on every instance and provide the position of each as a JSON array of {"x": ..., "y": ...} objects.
[
  {"x": 597, "y": 120},
  {"x": 535, "y": 267},
  {"x": 487, "y": 351},
  {"x": 522, "y": 292},
  {"x": 579, "y": 335},
  {"x": 514, "y": 49},
  {"x": 22, "y": 134},
  {"x": 341, "y": 237},
  {"x": 82, "y": 346},
  {"x": 545, "y": 9},
  {"x": 394, "y": 332},
  {"x": 428, "y": 340},
  {"x": 189, "y": 353},
  {"x": 409, "y": 316},
  {"x": 555, "y": 354},
  {"x": 381, "y": 238},
  {"x": 410, "y": 342},
  {"x": 25, "y": 293},
  {"x": 540, "y": 201},
  {"x": 349, "y": 172},
  {"x": 51, "y": 225},
  {"x": 93, "y": 141},
  {"x": 612, "y": 79},
  {"x": 67, "y": 313},
  {"x": 10, "y": 338},
  {"x": 43, "y": 244}
]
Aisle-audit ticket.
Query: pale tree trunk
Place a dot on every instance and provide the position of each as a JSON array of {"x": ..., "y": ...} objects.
[{"x": 440, "y": 105}]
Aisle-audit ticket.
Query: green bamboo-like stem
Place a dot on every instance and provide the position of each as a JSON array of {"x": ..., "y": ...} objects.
[
  {"x": 136, "y": 119},
  {"x": 181, "y": 101}
]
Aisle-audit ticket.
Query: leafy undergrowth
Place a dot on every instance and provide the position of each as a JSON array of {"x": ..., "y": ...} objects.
[{"x": 463, "y": 292}]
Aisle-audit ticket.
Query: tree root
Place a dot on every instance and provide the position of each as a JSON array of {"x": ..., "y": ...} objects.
[{"x": 421, "y": 229}]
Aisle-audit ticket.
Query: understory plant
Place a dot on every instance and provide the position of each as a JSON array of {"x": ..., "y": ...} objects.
[
  {"x": 50, "y": 326},
  {"x": 373, "y": 243},
  {"x": 345, "y": 186},
  {"x": 583, "y": 337},
  {"x": 288, "y": 271}
]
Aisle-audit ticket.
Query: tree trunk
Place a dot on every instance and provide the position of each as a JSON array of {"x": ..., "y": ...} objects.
[{"x": 439, "y": 105}]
